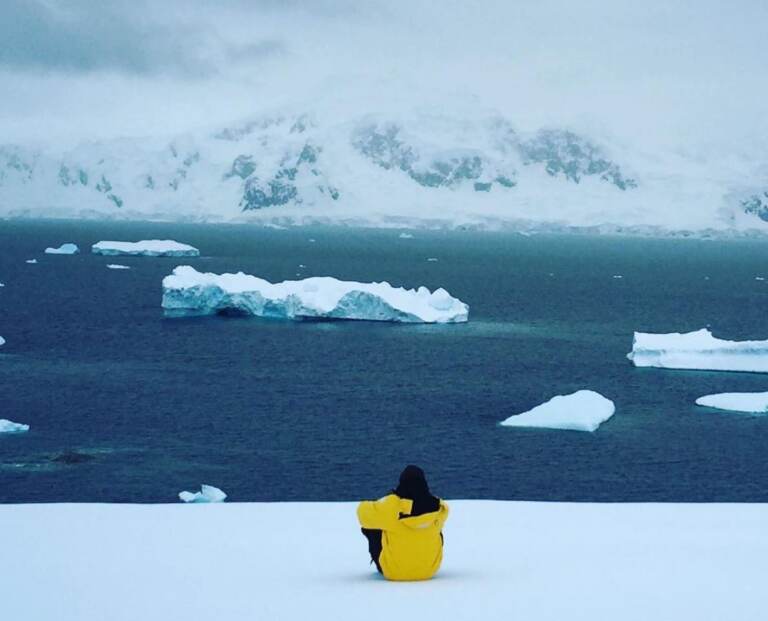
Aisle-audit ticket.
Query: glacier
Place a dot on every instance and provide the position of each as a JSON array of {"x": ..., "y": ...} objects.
[
  {"x": 751, "y": 402},
  {"x": 698, "y": 350},
  {"x": 419, "y": 170},
  {"x": 63, "y": 249},
  {"x": 145, "y": 248},
  {"x": 207, "y": 493},
  {"x": 189, "y": 292},
  {"x": 7, "y": 426},
  {"x": 583, "y": 410}
]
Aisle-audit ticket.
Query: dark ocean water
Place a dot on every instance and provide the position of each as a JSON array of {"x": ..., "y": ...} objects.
[{"x": 272, "y": 410}]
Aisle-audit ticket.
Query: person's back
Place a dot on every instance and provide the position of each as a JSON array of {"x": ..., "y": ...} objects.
[{"x": 404, "y": 529}]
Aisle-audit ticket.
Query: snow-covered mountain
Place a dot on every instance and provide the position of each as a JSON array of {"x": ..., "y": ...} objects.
[{"x": 420, "y": 169}]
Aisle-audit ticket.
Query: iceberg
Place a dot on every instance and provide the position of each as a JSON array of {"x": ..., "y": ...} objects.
[
  {"x": 145, "y": 248},
  {"x": 698, "y": 350},
  {"x": 584, "y": 410},
  {"x": 31, "y": 261},
  {"x": 63, "y": 249},
  {"x": 7, "y": 426},
  {"x": 207, "y": 493},
  {"x": 752, "y": 402},
  {"x": 189, "y": 292},
  {"x": 117, "y": 266},
  {"x": 2, "y": 341}
]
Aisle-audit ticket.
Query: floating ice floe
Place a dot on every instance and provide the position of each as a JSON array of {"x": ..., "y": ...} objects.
[
  {"x": 207, "y": 493},
  {"x": 698, "y": 350},
  {"x": 63, "y": 249},
  {"x": 2, "y": 341},
  {"x": 189, "y": 292},
  {"x": 432, "y": 259},
  {"x": 405, "y": 236},
  {"x": 145, "y": 248},
  {"x": 584, "y": 410},
  {"x": 7, "y": 426},
  {"x": 31, "y": 261},
  {"x": 117, "y": 266},
  {"x": 753, "y": 402}
]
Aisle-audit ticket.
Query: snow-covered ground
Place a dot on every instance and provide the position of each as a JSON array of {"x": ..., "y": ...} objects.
[
  {"x": 584, "y": 410},
  {"x": 503, "y": 560},
  {"x": 698, "y": 350},
  {"x": 189, "y": 292},
  {"x": 752, "y": 402},
  {"x": 145, "y": 248}
]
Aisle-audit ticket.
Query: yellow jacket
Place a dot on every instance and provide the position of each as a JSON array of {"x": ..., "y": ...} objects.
[{"x": 411, "y": 547}]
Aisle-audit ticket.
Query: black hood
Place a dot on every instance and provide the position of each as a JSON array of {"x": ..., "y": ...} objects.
[{"x": 413, "y": 486}]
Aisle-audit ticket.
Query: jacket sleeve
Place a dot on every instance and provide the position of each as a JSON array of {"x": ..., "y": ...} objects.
[{"x": 379, "y": 514}]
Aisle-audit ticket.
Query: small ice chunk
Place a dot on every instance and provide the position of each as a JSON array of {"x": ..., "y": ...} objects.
[
  {"x": 2, "y": 341},
  {"x": 432, "y": 259},
  {"x": 311, "y": 241},
  {"x": 302, "y": 266},
  {"x": 7, "y": 426},
  {"x": 63, "y": 249},
  {"x": 698, "y": 350},
  {"x": 207, "y": 493},
  {"x": 117, "y": 266},
  {"x": 584, "y": 410},
  {"x": 618, "y": 276},
  {"x": 2, "y": 284},
  {"x": 145, "y": 248},
  {"x": 759, "y": 278},
  {"x": 31, "y": 261},
  {"x": 753, "y": 402},
  {"x": 405, "y": 236}
]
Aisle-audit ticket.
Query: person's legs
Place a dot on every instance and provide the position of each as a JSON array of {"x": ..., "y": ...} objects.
[{"x": 374, "y": 545}]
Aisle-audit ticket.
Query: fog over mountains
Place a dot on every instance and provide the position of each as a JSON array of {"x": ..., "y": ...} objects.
[{"x": 604, "y": 116}]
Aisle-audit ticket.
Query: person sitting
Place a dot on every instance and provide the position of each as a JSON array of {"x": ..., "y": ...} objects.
[{"x": 404, "y": 529}]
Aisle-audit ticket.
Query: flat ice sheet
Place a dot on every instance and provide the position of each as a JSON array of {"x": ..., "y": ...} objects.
[
  {"x": 698, "y": 350},
  {"x": 753, "y": 402},
  {"x": 286, "y": 561},
  {"x": 584, "y": 410},
  {"x": 147, "y": 248}
]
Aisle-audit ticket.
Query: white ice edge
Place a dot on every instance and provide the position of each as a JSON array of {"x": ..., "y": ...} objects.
[
  {"x": 584, "y": 410},
  {"x": 698, "y": 350},
  {"x": 750, "y": 402},
  {"x": 147, "y": 247},
  {"x": 189, "y": 292}
]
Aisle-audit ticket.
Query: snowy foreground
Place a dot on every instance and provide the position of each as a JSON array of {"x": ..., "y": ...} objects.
[
  {"x": 189, "y": 292},
  {"x": 503, "y": 560},
  {"x": 584, "y": 410},
  {"x": 145, "y": 248},
  {"x": 698, "y": 350}
]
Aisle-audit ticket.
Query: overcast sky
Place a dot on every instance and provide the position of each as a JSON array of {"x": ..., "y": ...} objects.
[{"x": 681, "y": 71}]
